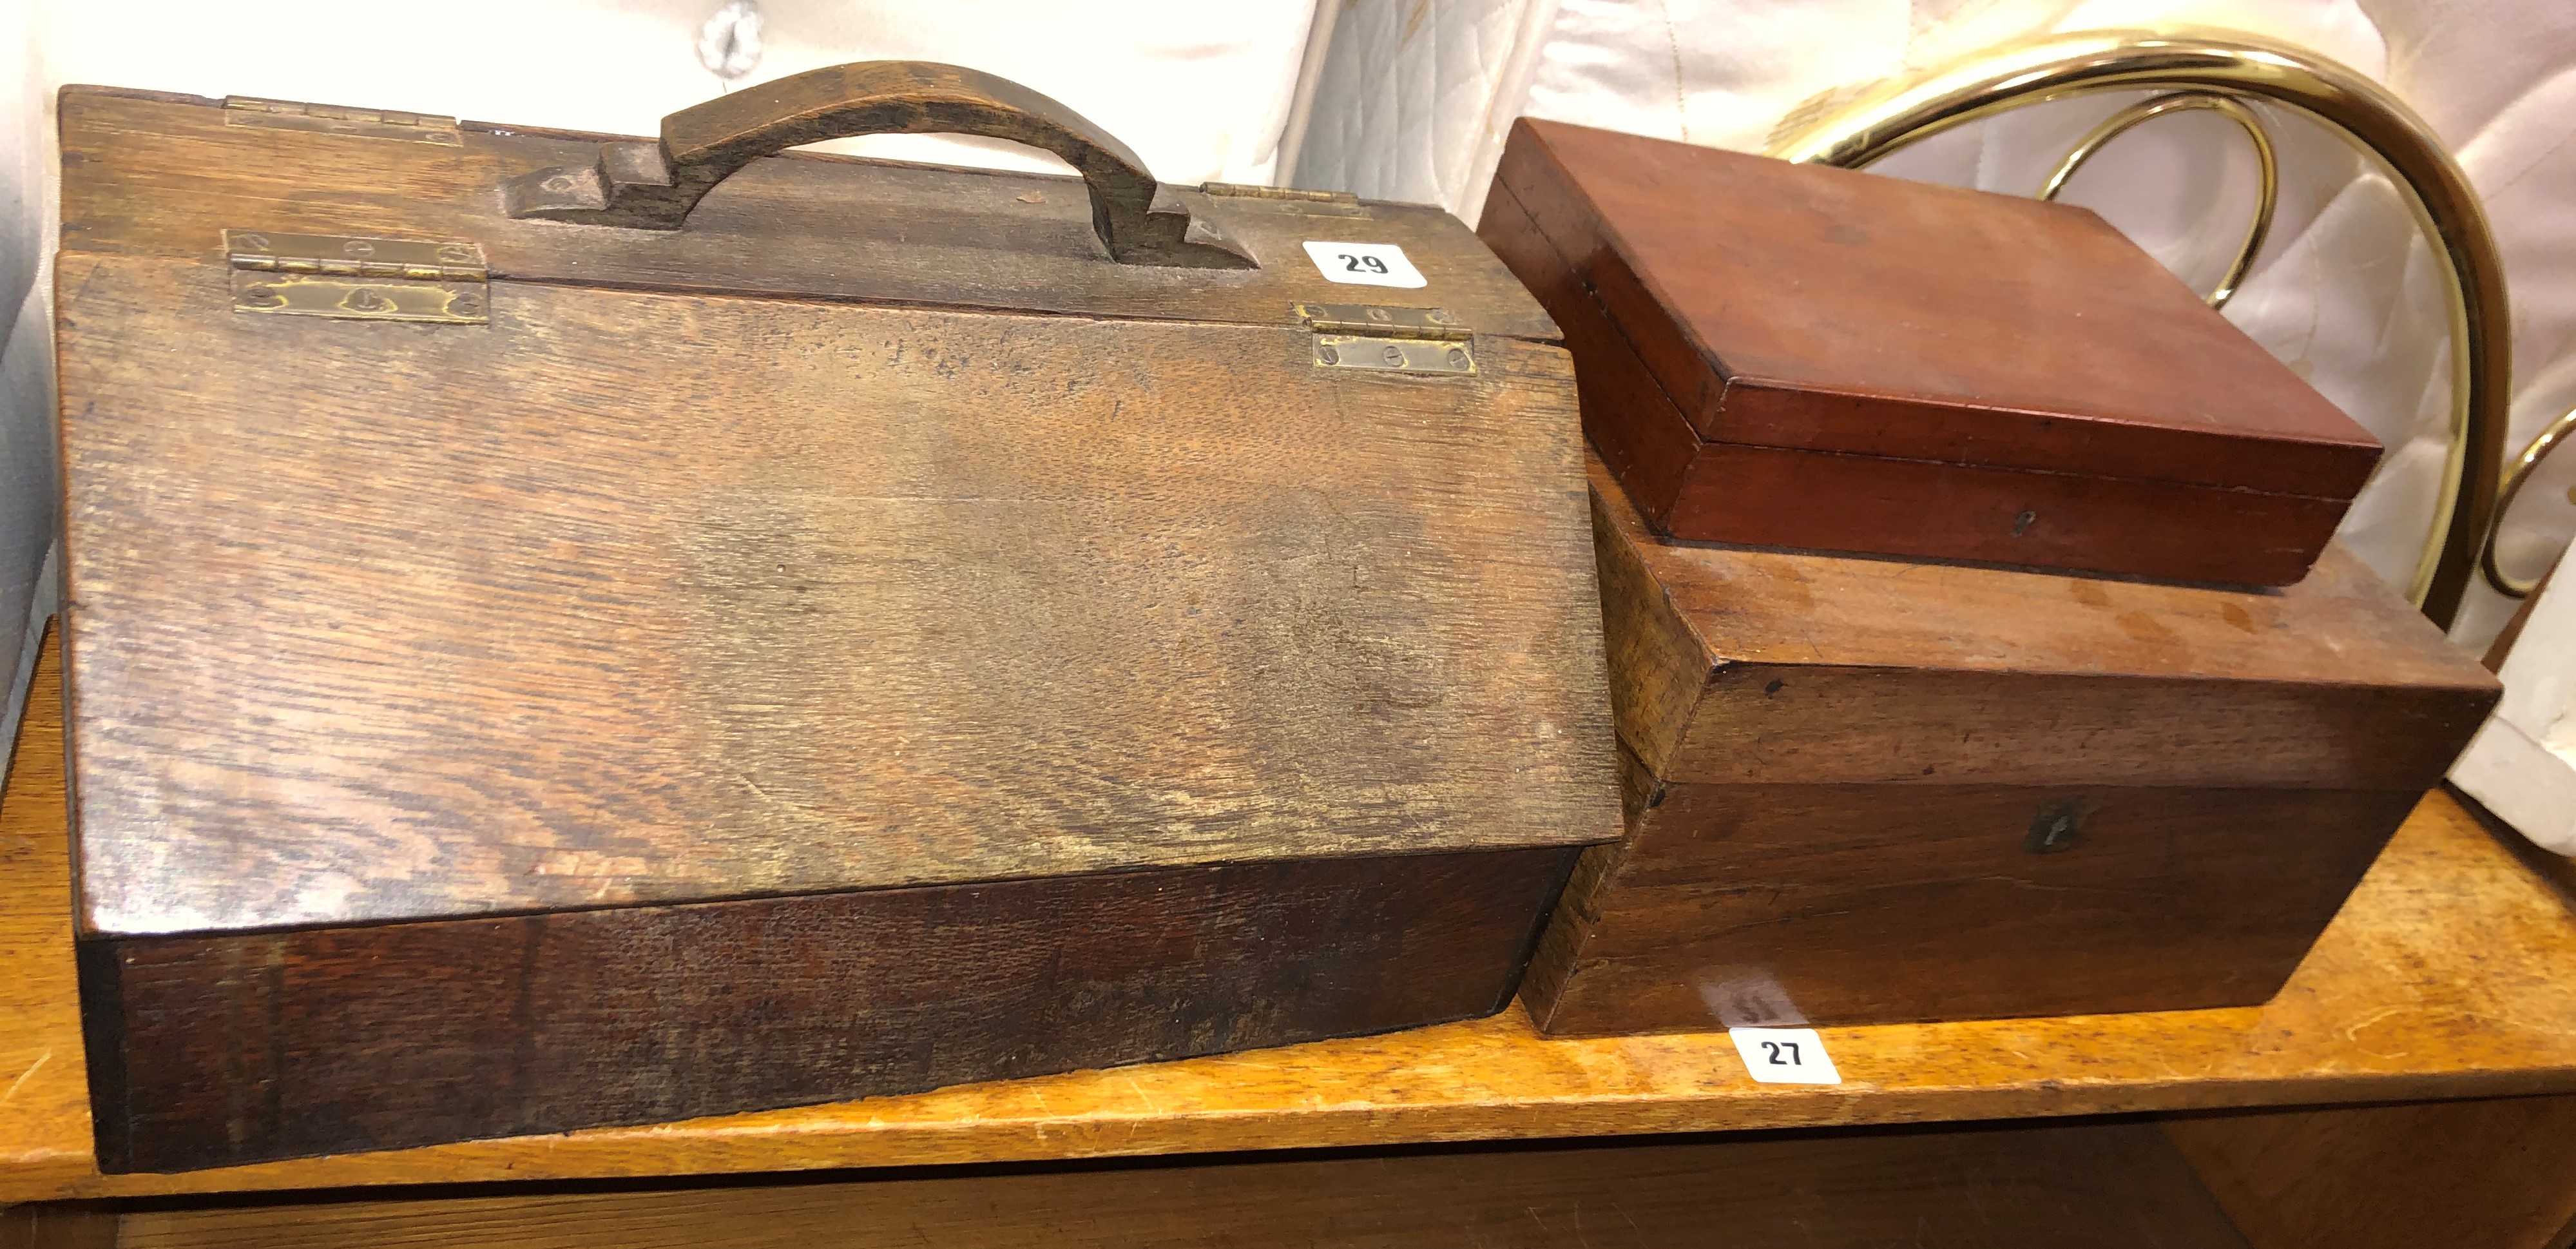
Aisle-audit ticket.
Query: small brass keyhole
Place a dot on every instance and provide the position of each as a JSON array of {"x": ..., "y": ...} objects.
[{"x": 2058, "y": 826}]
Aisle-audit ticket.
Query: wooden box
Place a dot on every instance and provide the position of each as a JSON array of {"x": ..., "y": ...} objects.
[
  {"x": 1790, "y": 355},
  {"x": 542, "y": 656},
  {"x": 1873, "y": 791}
]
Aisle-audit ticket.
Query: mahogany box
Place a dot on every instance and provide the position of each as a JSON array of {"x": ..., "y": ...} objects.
[
  {"x": 570, "y": 631},
  {"x": 1790, "y": 355},
  {"x": 1865, "y": 790}
]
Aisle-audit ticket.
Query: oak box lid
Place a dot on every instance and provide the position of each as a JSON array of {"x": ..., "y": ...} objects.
[
  {"x": 877, "y": 527},
  {"x": 153, "y": 173}
]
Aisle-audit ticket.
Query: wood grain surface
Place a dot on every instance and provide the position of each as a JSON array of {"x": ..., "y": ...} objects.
[
  {"x": 805, "y": 226},
  {"x": 216, "y": 1050},
  {"x": 1630, "y": 421},
  {"x": 2498, "y": 1173},
  {"x": 1765, "y": 496},
  {"x": 1853, "y": 904},
  {"x": 925, "y": 597},
  {"x": 1825, "y": 359},
  {"x": 653, "y": 185},
  {"x": 867, "y": 639},
  {"x": 2108, "y": 1185},
  {"x": 1840, "y": 774},
  {"x": 1816, "y": 669},
  {"x": 2445, "y": 975},
  {"x": 65, "y": 1225},
  {"x": 1964, "y": 305}
]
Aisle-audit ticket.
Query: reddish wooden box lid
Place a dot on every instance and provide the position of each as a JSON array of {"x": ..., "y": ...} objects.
[{"x": 1798, "y": 309}]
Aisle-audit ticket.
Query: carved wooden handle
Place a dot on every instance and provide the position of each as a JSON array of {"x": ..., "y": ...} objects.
[{"x": 652, "y": 186}]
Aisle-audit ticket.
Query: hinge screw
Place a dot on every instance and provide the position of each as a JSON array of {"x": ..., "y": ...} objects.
[
  {"x": 262, "y": 297},
  {"x": 1457, "y": 358},
  {"x": 366, "y": 299},
  {"x": 1329, "y": 355},
  {"x": 1394, "y": 355}
]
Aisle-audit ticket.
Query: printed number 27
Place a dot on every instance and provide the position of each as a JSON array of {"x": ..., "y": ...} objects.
[
  {"x": 1771, "y": 1050},
  {"x": 1352, "y": 264}
]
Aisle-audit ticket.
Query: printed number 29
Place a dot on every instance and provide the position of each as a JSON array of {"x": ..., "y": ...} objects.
[
  {"x": 1771, "y": 1050},
  {"x": 1354, "y": 264}
]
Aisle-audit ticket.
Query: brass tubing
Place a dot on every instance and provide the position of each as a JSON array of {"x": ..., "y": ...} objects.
[
  {"x": 2268, "y": 192},
  {"x": 1853, "y": 132},
  {"x": 2513, "y": 478}
]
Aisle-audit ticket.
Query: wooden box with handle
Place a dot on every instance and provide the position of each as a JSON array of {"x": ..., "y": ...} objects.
[{"x": 566, "y": 630}]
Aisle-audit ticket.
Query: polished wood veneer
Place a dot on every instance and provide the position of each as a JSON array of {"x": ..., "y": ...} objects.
[{"x": 1787, "y": 355}]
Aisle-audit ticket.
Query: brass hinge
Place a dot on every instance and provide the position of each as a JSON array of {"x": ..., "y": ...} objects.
[
  {"x": 1246, "y": 190},
  {"x": 242, "y": 110},
  {"x": 1427, "y": 341},
  {"x": 1287, "y": 200},
  {"x": 362, "y": 279}
]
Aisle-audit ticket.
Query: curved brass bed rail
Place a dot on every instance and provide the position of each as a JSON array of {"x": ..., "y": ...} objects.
[
  {"x": 2537, "y": 450},
  {"x": 2267, "y": 195},
  {"x": 1853, "y": 131}
]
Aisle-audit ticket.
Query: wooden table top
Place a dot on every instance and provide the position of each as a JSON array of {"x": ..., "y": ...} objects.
[{"x": 2452, "y": 973}]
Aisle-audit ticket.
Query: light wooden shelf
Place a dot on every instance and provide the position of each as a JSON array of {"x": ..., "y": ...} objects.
[
  {"x": 2452, "y": 973},
  {"x": 2101, "y": 1186}
]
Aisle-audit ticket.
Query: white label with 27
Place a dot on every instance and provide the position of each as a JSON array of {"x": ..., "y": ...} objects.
[
  {"x": 1365, "y": 264},
  {"x": 1784, "y": 1055}
]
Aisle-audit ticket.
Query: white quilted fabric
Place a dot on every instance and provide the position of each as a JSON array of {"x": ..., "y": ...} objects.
[
  {"x": 1414, "y": 98},
  {"x": 2522, "y": 765}
]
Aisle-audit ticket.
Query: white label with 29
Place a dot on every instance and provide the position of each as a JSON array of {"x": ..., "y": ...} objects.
[{"x": 1365, "y": 264}]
